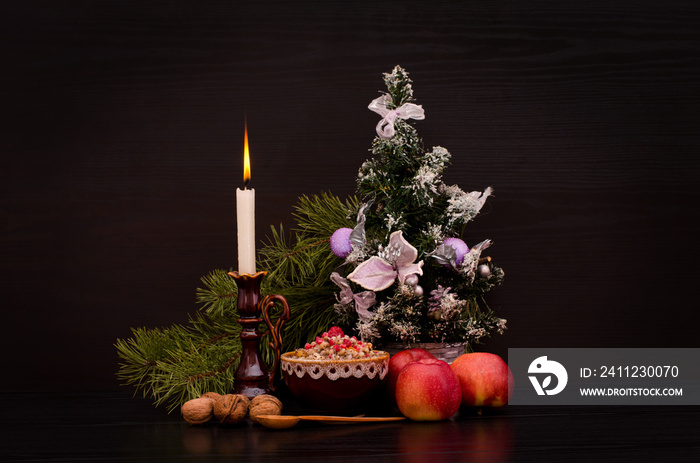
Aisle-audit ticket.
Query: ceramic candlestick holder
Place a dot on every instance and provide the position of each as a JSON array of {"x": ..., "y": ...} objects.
[{"x": 252, "y": 378}]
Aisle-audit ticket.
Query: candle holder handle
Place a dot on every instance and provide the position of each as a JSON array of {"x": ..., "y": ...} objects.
[{"x": 275, "y": 330}]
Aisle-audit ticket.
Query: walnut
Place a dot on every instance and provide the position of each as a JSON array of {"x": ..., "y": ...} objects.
[
  {"x": 197, "y": 411},
  {"x": 264, "y": 405},
  {"x": 231, "y": 408},
  {"x": 211, "y": 395}
]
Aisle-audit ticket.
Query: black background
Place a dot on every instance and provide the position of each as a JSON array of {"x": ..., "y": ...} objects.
[{"x": 122, "y": 136}]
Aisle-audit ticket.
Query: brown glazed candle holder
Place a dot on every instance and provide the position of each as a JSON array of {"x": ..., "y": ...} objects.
[{"x": 252, "y": 378}]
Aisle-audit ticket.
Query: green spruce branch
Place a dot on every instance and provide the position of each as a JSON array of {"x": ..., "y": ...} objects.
[{"x": 171, "y": 365}]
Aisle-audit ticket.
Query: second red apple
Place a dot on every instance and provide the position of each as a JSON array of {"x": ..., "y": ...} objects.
[
  {"x": 485, "y": 379},
  {"x": 396, "y": 364},
  {"x": 428, "y": 390}
]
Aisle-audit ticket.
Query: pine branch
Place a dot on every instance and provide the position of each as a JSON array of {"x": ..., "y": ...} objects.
[
  {"x": 301, "y": 267},
  {"x": 174, "y": 364},
  {"x": 220, "y": 294},
  {"x": 320, "y": 215}
]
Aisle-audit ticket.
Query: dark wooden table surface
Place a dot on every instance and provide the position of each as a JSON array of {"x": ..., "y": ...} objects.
[{"x": 109, "y": 427}]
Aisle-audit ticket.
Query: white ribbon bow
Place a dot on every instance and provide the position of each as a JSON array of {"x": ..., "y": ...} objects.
[
  {"x": 385, "y": 128},
  {"x": 363, "y": 300}
]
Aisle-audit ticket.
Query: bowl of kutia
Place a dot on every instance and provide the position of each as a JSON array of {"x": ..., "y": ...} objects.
[{"x": 335, "y": 373}]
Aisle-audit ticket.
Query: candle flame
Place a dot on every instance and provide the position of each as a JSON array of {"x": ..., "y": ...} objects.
[{"x": 246, "y": 157}]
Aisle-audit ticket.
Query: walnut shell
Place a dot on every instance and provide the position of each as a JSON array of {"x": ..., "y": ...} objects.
[
  {"x": 264, "y": 405},
  {"x": 211, "y": 395},
  {"x": 197, "y": 411},
  {"x": 231, "y": 408}
]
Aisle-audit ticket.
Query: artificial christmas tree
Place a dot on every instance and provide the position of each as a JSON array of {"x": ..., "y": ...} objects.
[{"x": 412, "y": 278}]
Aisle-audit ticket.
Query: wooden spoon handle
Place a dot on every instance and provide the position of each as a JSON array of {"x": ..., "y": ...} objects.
[{"x": 351, "y": 419}]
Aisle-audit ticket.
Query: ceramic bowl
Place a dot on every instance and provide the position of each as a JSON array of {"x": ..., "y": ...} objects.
[{"x": 334, "y": 386}]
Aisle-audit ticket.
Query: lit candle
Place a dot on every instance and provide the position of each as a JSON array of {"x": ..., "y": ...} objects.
[{"x": 245, "y": 209}]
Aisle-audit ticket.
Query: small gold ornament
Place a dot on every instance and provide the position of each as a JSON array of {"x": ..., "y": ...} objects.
[{"x": 483, "y": 270}]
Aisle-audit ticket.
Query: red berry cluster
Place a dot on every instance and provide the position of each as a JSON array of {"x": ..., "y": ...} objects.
[{"x": 335, "y": 341}]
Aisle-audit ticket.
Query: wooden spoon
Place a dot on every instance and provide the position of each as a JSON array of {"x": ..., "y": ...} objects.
[{"x": 287, "y": 421}]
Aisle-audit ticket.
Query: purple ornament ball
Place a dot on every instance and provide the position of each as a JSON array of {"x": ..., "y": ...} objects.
[
  {"x": 340, "y": 242},
  {"x": 459, "y": 246}
]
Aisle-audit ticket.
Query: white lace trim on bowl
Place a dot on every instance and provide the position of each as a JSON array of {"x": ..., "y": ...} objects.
[{"x": 337, "y": 371}]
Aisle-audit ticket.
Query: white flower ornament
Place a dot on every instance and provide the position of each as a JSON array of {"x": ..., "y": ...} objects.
[
  {"x": 396, "y": 261},
  {"x": 363, "y": 300}
]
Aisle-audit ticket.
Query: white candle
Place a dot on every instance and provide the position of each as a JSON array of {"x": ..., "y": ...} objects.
[
  {"x": 245, "y": 209},
  {"x": 245, "y": 212}
]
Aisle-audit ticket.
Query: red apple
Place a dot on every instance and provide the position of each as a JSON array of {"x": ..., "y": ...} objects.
[
  {"x": 485, "y": 379},
  {"x": 396, "y": 364},
  {"x": 428, "y": 390}
]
